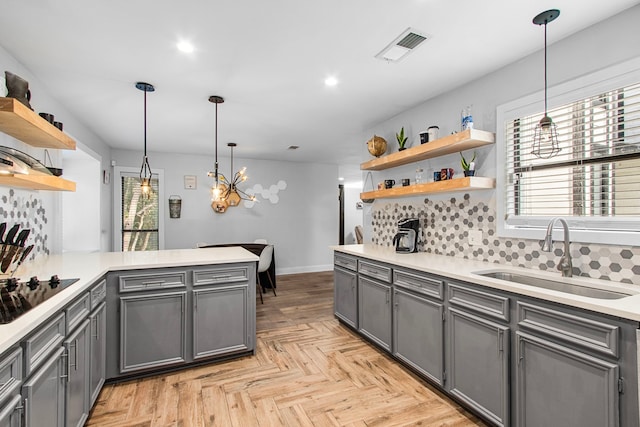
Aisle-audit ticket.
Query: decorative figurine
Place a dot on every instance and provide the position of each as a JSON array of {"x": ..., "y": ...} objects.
[{"x": 18, "y": 88}]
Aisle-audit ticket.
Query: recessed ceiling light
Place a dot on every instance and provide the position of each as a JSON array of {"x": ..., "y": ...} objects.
[
  {"x": 331, "y": 81},
  {"x": 185, "y": 46}
]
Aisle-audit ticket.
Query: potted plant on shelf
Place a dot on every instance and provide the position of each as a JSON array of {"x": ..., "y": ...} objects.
[
  {"x": 402, "y": 139},
  {"x": 468, "y": 167}
]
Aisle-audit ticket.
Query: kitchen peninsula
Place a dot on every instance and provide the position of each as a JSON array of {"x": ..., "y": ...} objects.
[{"x": 129, "y": 314}]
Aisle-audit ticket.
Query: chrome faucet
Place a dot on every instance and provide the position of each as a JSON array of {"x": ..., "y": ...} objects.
[{"x": 565, "y": 265}]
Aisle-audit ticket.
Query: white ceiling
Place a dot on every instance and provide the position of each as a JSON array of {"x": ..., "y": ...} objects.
[{"x": 268, "y": 59}]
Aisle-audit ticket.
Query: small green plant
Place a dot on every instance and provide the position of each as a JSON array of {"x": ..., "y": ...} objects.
[
  {"x": 402, "y": 139},
  {"x": 467, "y": 165}
]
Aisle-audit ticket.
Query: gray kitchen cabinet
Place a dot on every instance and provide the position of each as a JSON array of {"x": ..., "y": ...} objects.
[
  {"x": 560, "y": 386},
  {"x": 77, "y": 389},
  {"x": 478, "y": 350},
  {"x": 345, "y": 299},
  {"x": 10, "y": 381},
  {"x": 11, "y": 412},
  {"x": 374, "y": 311},
  {"x": 478, "y": 365},
  {"x": 221, "y": 321},
  {"x": 43, "y": 393},
  {"x": 97, "y": 351},
  {"x": 152, "y": 331},
  {"x": 568, "y": 372},
  {"x": 418, "y": 333}
]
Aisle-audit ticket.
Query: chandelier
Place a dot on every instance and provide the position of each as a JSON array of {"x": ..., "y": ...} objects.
[
  {"x": 145, "y": 169},
  {"x": 545, "y": 139},
  {"x": 224, "y": 192}
]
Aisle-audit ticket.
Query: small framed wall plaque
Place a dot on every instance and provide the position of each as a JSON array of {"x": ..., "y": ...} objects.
[{"x": 190, "y": 182}]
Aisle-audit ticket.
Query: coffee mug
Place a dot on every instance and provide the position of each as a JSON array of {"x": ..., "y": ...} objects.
[
  {"x": 388, "y": 183},
  {"x": 432, "y": 132},
  {"x": 446, "y": 173},
  {"x": 380, "y": 185},
  {"x": 47, "y": 116},
  {"x": 436, "y": 176},
  {"x": 424, "y": 137},
  {"x": 406, "y": 182}
]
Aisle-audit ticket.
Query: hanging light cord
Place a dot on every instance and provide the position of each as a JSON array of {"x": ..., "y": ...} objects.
[
  {"x": 545, "y": 67},
  {"x": 216, "y": 164}
]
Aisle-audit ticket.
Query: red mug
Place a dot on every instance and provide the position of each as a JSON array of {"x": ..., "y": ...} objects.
[{"x": 446, "y": 173}]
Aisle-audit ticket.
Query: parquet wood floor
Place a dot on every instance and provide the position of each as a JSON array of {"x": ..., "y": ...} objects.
[{"x": 308, "y": 370}]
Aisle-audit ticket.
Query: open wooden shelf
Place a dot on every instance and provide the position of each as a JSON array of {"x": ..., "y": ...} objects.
[
  {"x": 37, "y": 181},
  {"x": 465, "y": 140},
  {"x": 469, "y": 183},
  {"x": 27, "y": 126}
]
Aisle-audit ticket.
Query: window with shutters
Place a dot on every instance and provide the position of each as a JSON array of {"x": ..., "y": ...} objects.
[{"x": 593, "y": 182}]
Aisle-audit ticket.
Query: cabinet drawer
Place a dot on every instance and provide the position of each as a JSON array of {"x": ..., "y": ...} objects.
[
  {"x": 374, "y": 270},
  {"x": 419, "y": 283},
  {"x": 149, "y": 281},
  {"x": 220, "y": 275},
  {"x": 38, "y": 347},
  {"x": 77, "y": 312},
  {"x": 98, "y": 294},
  {"x": 589, "y": 334},
  {"x": 480, "y": 301},
  {"x": 10, "y": 374},
  {"x": 345, "y": 261}
]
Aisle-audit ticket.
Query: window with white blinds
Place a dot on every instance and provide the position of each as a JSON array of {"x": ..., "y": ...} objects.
[{"x": 594, "y": 181}]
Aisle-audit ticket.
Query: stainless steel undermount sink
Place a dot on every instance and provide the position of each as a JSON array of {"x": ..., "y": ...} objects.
[{"x": 570, "y": 288}]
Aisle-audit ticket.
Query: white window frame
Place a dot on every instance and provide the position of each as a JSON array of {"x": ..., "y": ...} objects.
[
  {"x": 582, "y": 229},
  {"x": 118, "y": 171}
]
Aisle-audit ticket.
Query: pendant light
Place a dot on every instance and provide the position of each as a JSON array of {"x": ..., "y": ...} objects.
[
  {"x": 545, "y": 140},
  {"x": 219, "y": 202},
  {"x": 234, "y": 194},
  {"x": 145, "y": 169}
]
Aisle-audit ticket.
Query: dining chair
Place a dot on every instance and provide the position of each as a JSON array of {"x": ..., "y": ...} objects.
[{"x": 266, "y": 256}]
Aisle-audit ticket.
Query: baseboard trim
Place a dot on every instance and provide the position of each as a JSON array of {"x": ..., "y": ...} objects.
[{"x": 306, "y": 269}]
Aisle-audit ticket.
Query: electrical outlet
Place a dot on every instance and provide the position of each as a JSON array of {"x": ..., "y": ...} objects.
[{"x": 475, "y": 237}]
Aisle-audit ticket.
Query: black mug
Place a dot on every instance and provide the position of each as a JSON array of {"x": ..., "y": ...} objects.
[
  {"x": 405, "y": 182},
  {"x": 388, "y": 183}
]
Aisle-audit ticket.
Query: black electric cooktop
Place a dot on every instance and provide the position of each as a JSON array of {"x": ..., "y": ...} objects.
[{"x": 16, "y": 298}]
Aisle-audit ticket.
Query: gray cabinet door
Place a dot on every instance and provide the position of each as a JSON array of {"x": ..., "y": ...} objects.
[
  {"x": 418, "y": 333},
  {"x": 43, "y": 393},
  {"x": 97, "y": 351},
  {"x": 220, "y": 321},
  {"x": 152, "y": 331},
  {"x": 345, "y": 302},
  {"x": 479, "y": 365},
  {"x": 374, "y": 311},
  {"x": 558, "y": 386},
  {"x": 77, "y": 394},
  {"x": 10, "y": 412}
]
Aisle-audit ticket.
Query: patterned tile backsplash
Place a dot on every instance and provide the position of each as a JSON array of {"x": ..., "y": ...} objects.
[
  {"x": 445, "y": 225},
  {"x": 18, "y": 207}
]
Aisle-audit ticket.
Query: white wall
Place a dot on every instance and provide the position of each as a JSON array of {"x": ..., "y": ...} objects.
[
  {"x": 302, "y": 225},
  {"x": 52, "y": 201},
  {"x": 601, "y": 45}
]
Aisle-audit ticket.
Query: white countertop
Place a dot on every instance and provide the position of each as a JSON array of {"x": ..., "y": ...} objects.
[
  {"x": 90, "y": 267},
  {"x": 463, "y": 269}
]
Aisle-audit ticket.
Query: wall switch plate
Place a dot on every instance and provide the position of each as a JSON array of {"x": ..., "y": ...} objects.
[{"x": 475, "y": 237}]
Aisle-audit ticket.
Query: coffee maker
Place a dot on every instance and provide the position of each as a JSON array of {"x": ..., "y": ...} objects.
[{"x": 406, "y": 239}]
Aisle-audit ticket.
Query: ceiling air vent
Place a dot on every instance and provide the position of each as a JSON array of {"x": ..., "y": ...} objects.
[{"x": 402, "y": 45}]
